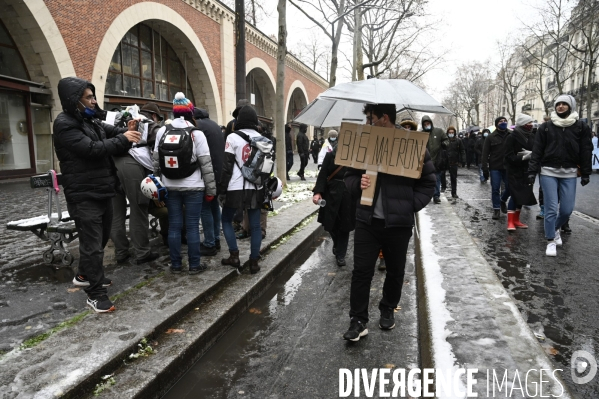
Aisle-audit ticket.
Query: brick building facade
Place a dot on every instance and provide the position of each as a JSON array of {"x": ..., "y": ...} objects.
[{"x": 133, "y": 51}]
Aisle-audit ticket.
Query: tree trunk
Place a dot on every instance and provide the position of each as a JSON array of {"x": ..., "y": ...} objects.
[
  {"x": 360, "y": 62},
  {"x": 240, "y": 50},
  {"x": 589, "y": 90},
  {"x": 280, "y": 93},
  {"x": 335, "y": 45}
]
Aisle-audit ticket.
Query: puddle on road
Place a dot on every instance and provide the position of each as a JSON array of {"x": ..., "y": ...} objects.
[
  {"x": 233, "y": 355},
  {"x": 44, "y": 272}
]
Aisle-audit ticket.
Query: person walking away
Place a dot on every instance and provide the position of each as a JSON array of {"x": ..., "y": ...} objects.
[
  {"x": 235, "y": 192},
  {"x": 288, "y": 149},
  {"x": 386, "y": 225},
  {"x": 211, "y": 215},
  {"x": 518, "y": 149},
  {"x": 471, "y": 156},
  {"x": 327, "y": 146},
  {"x": 437, "y": 143},
  {"x": 131, "y": 168},
  {"x": 478, "y": 148},
  {"x": 189, "y": 179},
  {"x": 338, "y": 216},
  {"x": 455, "y": 154},
  {"x": 493, "y": 165},
  {"x": 303, "y": 149},
  {"x": 84, "y": 147},
  {"x": 562, "y": 146}
]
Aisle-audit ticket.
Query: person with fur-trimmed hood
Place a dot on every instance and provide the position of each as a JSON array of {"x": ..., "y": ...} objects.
[
  {"x": 562, "y": 147},
  {"x": 408, "y": 124}
]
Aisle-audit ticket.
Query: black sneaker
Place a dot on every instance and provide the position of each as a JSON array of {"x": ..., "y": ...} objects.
[
  {"x": 566, "y": 228},
  {"x": 175, "y": 269},
  {"x": 387, "y": 320},
  {"x": 503, "y": 207},
  {"x": 217, "y": 245},
  {"x": 198, "y": 269},
  {"x": 122, "y": 260},
  {"x": 148, "y": 258},
  {"x": 101, "y": 304},
  {"x": 495, "y": 214},
  {"x": 341, "y": 262},
  {"x": 437, "y": 200},
  {"x": 82, "y": 281},
  {"x": 356, "y": 330},
  {"x": 454, "y": 196},
  {"x": 208, "y": 251}
]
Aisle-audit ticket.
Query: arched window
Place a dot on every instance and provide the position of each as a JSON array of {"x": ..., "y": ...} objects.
[
  {"x": 145, "y": 65},
  {"x": 11, "y": 63}
]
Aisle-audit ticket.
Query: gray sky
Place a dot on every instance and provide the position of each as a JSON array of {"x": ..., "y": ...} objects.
[{"x": 470, "y": 28}]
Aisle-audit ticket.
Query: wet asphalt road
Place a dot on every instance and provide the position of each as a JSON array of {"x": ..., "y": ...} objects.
[
  {"x": 557, "y": 296},
  {"x": 290, "y": 344}
]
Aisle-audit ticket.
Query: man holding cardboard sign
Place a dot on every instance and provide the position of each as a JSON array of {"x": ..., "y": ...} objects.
[{"x": 393, "y": 173}]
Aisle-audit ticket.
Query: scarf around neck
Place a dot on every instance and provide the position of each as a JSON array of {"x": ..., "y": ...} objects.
[{"x": 564, "y": 122}]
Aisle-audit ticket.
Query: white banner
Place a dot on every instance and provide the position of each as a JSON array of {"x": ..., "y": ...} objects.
[{"x": 595, "y": 153}]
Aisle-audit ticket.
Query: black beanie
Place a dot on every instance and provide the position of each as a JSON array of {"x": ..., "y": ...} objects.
[
  {"x": 498, "y": 119},
  {"x": 247, "y": 118},
  {"x": 303, "y": 128}
]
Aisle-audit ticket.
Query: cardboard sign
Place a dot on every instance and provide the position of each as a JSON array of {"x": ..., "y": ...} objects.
[
  {"x": 595, "y": 154},
  {"x": 393, "y": 151}
]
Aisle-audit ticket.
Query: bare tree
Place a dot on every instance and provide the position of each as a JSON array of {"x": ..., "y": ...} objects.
[
  {"x": 470, "y": 85},
  {"x": 329, "y": 16},
  {"x": 255, "y": 10},
  {"x": 511, "y": 76},
  {"x": 280, "y": 90},
  {"x": 312, "y": 52},
  {"x": 584, "y": 47}
]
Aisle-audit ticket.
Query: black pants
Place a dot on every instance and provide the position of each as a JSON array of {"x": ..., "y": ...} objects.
[
  {"x": 443, "y": 180},
  {"x": 340, "y": 241},
  {"x": 368, "y": 240},
  {"x": 289, "y": 160},
  {"x": 93, "y": 221},
  {"x": 453, "y": 177},
  {"x": 303, "y": 162}
]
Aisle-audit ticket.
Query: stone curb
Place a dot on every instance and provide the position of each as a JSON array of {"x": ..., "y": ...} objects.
[
  {"x": 467, "y": 319},
  {"x": 71, "y": 362}
]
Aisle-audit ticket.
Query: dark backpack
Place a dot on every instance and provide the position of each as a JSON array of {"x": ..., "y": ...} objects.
[
  {"x": 175, "y": 152},
  {"x": 260, "y": 164}
]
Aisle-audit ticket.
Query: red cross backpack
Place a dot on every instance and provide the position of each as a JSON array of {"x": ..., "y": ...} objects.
[{"x": 175, "y": 152}]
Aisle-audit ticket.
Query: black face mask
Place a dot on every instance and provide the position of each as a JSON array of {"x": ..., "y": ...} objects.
[{"x": 564, "y": 115}]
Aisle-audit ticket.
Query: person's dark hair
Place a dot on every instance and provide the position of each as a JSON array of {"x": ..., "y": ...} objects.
[
  {"x": 303, "y": 128},
  {"x": 381, "y": 109},
  {"x": 190, "y": 119}
]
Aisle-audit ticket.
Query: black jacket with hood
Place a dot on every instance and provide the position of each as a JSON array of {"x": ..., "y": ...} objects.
[
  {"x": 85, "y": 146},
  {"x": 494, "y": 150},
  {"x": 215, "y": 139},
  {"x": 437, "y": 139},
  {"x": 402, "y": 196}
]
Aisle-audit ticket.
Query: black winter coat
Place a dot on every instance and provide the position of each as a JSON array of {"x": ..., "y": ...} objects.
[
  {"x": 494, "y": 150},
  {"x": 478, "y": 145},
  {"x": 402, "y": 196},
  {"x": 339, "y": 214},
  {"x": 214, "y": 138},
  {"x": 303, "y": 144},
  {"x": 517, "y": 168},
  {"x": 455, "y": 151},
  {"x": 566, "y": 147},
  {"x": 85, "y": 146}
]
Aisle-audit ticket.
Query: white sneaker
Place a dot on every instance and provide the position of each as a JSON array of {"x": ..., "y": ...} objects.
[
  {"x": 558, "y": 238},
  {"x": 551, "y": 249}
]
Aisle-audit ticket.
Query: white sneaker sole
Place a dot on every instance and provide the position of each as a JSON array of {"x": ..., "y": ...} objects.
[
  {"x": 112, "y": 309},
  {"x": 390, "y": 328},
  {"x": 362, "y": 334},
  {"x": 79, "y": 283}
]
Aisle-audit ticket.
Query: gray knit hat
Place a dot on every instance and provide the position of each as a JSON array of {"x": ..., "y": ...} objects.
[
  {"x": 523, "y": 119},
  {"x": 566, "y": 98}
]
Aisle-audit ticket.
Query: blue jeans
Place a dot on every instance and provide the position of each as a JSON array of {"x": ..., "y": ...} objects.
[
  {"x": 193, "y": 207},
  {"x": 211, "y": 222},
  {"x": 557, "y": 193},
  {"x": 438, "y": 184},
  {"x": 497, "y": 175},
  {"x": 255, "y": 231}
]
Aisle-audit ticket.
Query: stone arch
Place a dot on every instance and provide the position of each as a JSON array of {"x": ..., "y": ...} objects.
[
  {"x": 296, "y": 87},
  {"x": 40, "y": 43},
  {"x": 266, "y": 79},
  {"x": 179, "y": 34}
]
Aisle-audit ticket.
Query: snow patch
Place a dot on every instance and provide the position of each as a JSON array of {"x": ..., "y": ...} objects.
[{"x": 442, "y": 351}]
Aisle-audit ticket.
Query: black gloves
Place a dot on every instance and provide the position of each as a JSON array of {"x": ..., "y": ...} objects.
[
  {"x": 584, "y": 181},
  {"x": 486, "y": 174},
  {"x": 531, "y": 180}
]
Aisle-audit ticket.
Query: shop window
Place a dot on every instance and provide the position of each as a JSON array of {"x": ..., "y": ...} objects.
[
  {"x": 145, "y": 65},
  {"x": 14, "y": 131}
]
